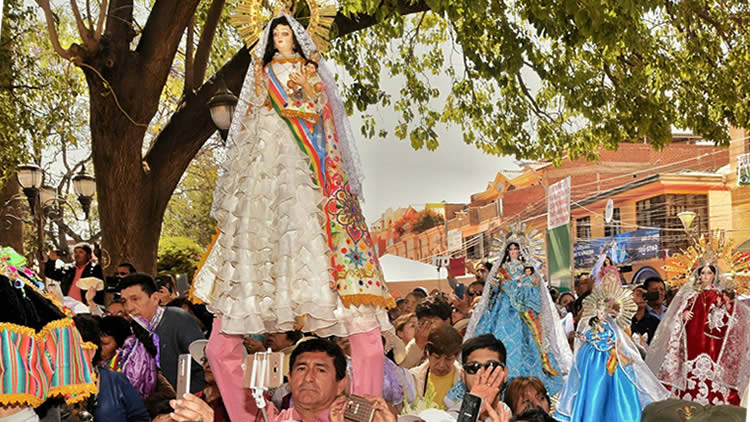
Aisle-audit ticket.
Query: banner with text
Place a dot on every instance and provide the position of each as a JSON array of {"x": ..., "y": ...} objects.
[
  {"x": 558, "y": 204},
  {"x": 558, "y": 257},
  {"x": 632, "y": 246}
]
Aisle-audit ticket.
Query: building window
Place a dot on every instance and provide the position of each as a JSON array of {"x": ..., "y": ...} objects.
[
  {"x": 583, "y": 228},
  {"x": 661, "y": 212},
  {"x": 614, "y": 227}
]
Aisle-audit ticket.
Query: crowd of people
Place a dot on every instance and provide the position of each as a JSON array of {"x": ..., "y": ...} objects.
[{"x": 437, "y": 352}]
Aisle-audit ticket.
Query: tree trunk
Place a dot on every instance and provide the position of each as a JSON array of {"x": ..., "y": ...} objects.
[
  {"x": 11, "y": 228},
  {"x": 131, "y": 204}
]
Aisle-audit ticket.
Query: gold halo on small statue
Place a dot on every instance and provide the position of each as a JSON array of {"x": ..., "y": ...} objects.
[{"x": 612, "y": 299}]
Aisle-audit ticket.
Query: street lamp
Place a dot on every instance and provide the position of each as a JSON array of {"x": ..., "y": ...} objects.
[
  {"x": 47, "y": 195},
  {"x": 30, "y": 178},
  {"x": 686, "y": 217},
  {"x": 84, "y": 186},
  {"x": 222, "y": 106}
]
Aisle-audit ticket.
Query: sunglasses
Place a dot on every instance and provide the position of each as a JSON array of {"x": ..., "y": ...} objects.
[
  {"x": 470, "y": 293},
  {"x": 122, "y": 273},
  {"x": 472, "y": 368}
]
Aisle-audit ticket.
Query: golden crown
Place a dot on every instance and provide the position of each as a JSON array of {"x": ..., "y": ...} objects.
[{"x": 252, "y": 16}]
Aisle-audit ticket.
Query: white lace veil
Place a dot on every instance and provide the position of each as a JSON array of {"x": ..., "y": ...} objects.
[
  {"x": 553, "y": 335},
  {"x": 648, "y": 386},
  {"x": 347, "y": 143}
]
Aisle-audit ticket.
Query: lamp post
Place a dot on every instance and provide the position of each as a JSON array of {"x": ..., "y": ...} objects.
[
  {"x": 30, "y": 178},
  {"x": 84, "y": 186},
  {"x": 687, "y": 218},
  {"x": 222, "y": 106}
]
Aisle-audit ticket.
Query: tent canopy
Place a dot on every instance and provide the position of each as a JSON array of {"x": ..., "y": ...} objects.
[{"x": 396, "y": 268}]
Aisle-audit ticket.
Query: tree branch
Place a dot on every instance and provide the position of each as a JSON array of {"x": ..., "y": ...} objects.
[
  {"x": 537, "y": 110},
  {"x": 119, "y": 21},
  {"x": 189, "y": 57},
  {"x": 159, "y": 41},
  {"x": 88, "y": 13},
  {"x": 347, "y": 25},
  {"x": 52, "y": 29},
  {"x": 206, "y": 41},
  {"x": 100, "y": 21},
  {"x": 83, "y": 31}
]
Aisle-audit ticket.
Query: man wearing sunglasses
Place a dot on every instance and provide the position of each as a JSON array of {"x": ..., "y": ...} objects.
[{"x": 484, "y": 374}]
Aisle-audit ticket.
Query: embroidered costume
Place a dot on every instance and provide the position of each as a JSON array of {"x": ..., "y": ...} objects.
[
  {"x": 701, "y": 350},
  {"x": 293, "y": 250},
  {"x": 43, "y": 353},
  {"x": 608, "y": 380}
]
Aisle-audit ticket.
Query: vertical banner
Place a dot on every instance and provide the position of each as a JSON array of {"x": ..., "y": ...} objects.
[
  {"x": 558, "y": 257},
  {"x": 743, "y": 170},
  {"x": 558, "y": 235},
  {"x": 558, "y": 204}
]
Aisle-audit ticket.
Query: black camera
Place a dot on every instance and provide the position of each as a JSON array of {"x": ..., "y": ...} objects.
[
  {"x": 651, "y": 296},
  {"x": 164, "y": 281},
  {"x": 112, "y": 284}
]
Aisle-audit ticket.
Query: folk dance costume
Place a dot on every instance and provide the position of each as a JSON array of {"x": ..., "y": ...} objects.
[
  {"x": 293, "y": 250},
  {"x": 701, "y": 350},
  {"x": 43, "y": 353},
  {"x": 608, "y": 380},
  {"x": 516, "y": 307}
]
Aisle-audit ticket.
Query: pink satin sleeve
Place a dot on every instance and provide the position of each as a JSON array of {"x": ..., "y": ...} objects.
[
  {"x": 368, "y": 360},
  {"x": 224, "y": 353}
]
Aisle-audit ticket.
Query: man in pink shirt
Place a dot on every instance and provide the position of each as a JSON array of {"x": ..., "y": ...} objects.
[
  {"x": 68, "y": 275},
  {"x": 317, "y": 379}
]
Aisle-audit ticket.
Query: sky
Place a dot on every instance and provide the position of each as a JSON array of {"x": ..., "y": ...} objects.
[{"x": 396, "y": 175}]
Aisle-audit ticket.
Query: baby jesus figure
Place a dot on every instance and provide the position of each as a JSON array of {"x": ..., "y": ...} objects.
[{"x": 305, "y": 90}]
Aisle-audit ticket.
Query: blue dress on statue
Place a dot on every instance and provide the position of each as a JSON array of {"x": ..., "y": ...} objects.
[
  {"x": 513, "y": 316},
  {"x": 604, "y": 391}
]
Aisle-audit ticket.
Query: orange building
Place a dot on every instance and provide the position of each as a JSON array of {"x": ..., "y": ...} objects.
[{"x": 648, "y": 188}]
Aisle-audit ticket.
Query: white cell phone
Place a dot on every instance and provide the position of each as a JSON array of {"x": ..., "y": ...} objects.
[
  {"x": 184, "y": 366},
  {"x": 265, "y": 366}
]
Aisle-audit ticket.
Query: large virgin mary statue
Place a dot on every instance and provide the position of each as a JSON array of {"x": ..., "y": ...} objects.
[{"x": 293, "y": 250}]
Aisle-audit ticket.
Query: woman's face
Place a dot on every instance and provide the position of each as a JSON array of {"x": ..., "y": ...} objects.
[
  {"x": 707, "y": 275},
  {"x": 407, "y": 333},
  {"x": 283, "y": 39},
  {"x": 109, "y": 347},
  {"x": 607, "y": 262},
  {"x": 514, "y": 252},
  {"x": 565, "y": 300},
  {"x": 531, "y": 399}
]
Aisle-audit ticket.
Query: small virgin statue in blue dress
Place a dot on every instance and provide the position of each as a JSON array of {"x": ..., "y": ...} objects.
[
  {"x": 608, "y": 380},
  {"x": 517, "y": 309}
]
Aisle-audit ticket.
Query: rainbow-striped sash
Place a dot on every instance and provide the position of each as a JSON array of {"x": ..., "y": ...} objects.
[
  {"x": 535, "y": 326},
  {"x": 310, "y": 137}
]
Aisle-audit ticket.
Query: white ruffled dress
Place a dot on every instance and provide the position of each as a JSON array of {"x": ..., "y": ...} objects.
[{"x": 269, "y": 268}]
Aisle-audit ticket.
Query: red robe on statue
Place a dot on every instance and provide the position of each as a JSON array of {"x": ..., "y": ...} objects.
[{"x": 705, "y": 335}]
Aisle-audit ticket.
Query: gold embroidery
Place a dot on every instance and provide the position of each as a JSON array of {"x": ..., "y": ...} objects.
[{"x": 296, "y": 59}]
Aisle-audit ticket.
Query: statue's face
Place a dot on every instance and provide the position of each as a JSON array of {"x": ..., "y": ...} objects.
[
  {"x": 707, "y": 276},
  {"x": 513, "y": 251},
  {"x": 283, "y": 39}
]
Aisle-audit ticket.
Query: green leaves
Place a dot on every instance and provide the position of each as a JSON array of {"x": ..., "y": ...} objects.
[{"x": 541, "y": 79}]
